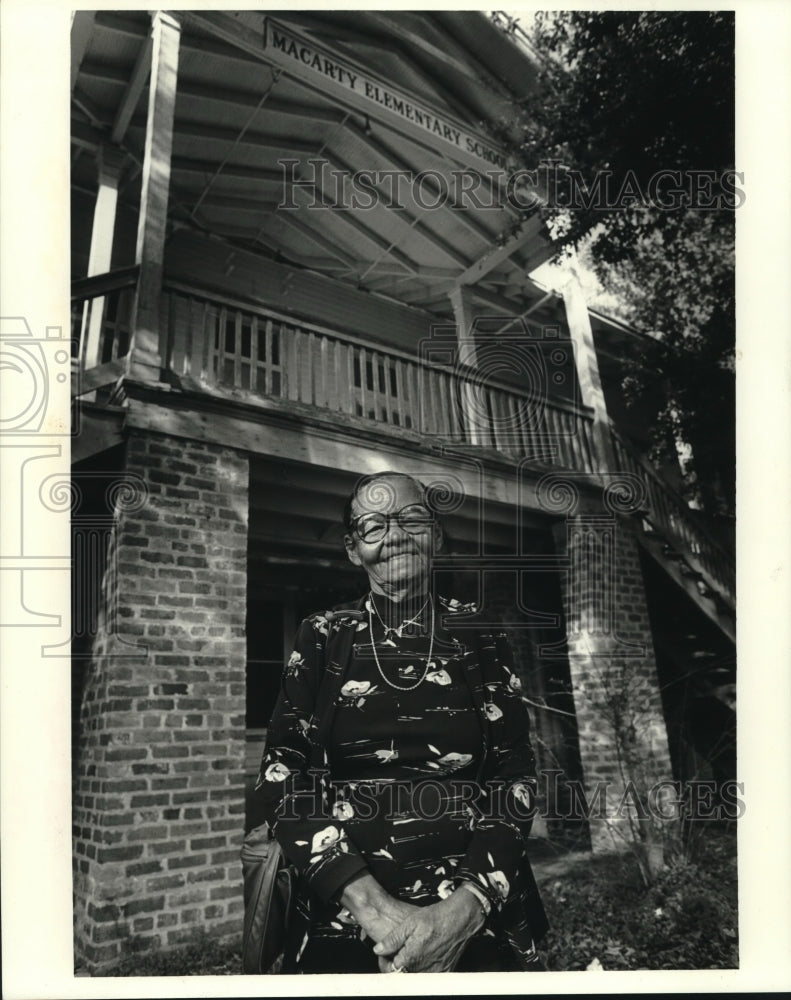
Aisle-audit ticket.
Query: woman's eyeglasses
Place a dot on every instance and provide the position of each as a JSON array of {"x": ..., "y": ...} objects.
[{"x": 372, "y": 527}]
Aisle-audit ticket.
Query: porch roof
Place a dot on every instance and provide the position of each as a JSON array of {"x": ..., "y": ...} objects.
[{"x": 245, "y": 101}]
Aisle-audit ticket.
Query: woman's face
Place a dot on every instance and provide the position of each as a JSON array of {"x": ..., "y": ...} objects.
[{"x": 400, "y": 561}]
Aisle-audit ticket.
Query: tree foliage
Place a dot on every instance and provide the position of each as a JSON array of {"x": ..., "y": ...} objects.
[{"x": 627, "y": 95}]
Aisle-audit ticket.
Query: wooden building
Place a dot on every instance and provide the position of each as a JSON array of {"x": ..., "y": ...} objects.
[{"x": 299, "y": 255}]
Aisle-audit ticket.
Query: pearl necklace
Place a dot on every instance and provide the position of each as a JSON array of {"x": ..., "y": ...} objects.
[{"x": 398, "y": 687}]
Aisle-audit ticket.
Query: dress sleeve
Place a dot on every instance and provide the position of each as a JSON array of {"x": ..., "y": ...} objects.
[
  {"x": 296, "y": 800},
  {"x": 505, "y": 810}
]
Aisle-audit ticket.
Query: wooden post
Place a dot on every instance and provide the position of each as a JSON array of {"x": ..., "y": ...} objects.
[
  {"x": 461, "y": 300},
  {"x": 110, "y": 162},
  {"x": 591, "y": 391},
  {"x": 145, "y": 353}
]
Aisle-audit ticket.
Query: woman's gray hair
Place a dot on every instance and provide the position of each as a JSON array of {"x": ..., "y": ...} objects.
[{"x": 365, "y": 483}]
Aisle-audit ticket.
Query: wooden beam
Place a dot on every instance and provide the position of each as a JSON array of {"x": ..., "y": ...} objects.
[
  {"x": 357, "y": 34},
  {"x": 331, "y": 246},
  {"x": 236, "y": 33},
  {"x": 396, "y": 162},
  {"x": 254, "y": 234},
  {"x": 246, "y": 98},
  {"x": 144, "y": 351},
  {"x": 241, "y": 98},
  {"x": 186, "y": 165},
  {"x": 708, "y": 605},
  {"x": 588, "y": 377},
  {"x": 98, "y": 377},
  {"x": 118, "y": 22},
  {"x": 104, "y": 72},
  {"x": 392, "y": 26},
  {"x": 496, "y": 256},
  {"x": 115, "y": 20},
  {"x": 94, "y": 286},
  {"x": 81, "y": 31},
  {"x": 110, "y": 163},
  {"x": 410, "y": 221},
  {"x": 137, "y": 83},
  {"x": 86, "y": 136},
  {"x": 96, "y": 116},
  {"x": 511, "y": 307},
  {"x": 461, "y": 300},
  {"x": 100, "y": 429},
  {"x": 261, "y": 140},
  {"x": 329, "y": 445}
]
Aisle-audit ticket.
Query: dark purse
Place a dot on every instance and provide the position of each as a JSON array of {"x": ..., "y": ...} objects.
[
  {"x": 268, "y": 900},
  {"x": 269, "y": 879}
]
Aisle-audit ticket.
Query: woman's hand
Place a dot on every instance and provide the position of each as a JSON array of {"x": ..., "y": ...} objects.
[
  {"x": 376, "y": 911},
  {"x": 432, "y": 938}
]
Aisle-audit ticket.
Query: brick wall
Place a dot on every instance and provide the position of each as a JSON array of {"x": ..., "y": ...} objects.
[
  {"x": 622, "y": 732},
  {"x": 546, "y": 684},
  {"x": 159, "y": 777}
]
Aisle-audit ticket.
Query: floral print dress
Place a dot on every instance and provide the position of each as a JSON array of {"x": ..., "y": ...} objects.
[{"x": 408, "y": 739}]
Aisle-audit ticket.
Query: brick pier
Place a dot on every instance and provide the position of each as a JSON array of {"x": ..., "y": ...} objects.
[{"x": 159, "y": 777}]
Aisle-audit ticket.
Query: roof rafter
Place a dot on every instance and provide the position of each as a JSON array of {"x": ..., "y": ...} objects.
[
  {"x": 291, "y": 219},
  {"x": 118, "y": 22},
  {"x": 495, "y": 257},
  {"x": 135, "y": 87},
  {"x": 359, "y": 36},
  {"x": 185, "y": 164},
  {"x": 81, "y": 29}
]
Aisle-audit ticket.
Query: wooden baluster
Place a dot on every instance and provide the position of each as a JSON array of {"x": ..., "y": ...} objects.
[
  {"x": 205, "y": 322},
  {"x": 305, "y": 354},
  {"x": 339, "y": 391},
  {"x": 513, "y": 430},
  {"x": 268, "y": 363},
  {"x": 182, "y": 314},
  {"x": 573, "y": 431},
  {"x": 291, "y": 369},
  {"x": 176, "y": 339},
  {"x": 506, "y": 432},
  {"x": 426, "y": 378},
  {"x": 409, "y": 394},
  {"x": 388, "y": 399},
  {"x": 376, "y": 386},
  {"x": 237, "y": 350},
  {"x": 363, "y": 355},
  {"x": 446, "y": 405},
  {"x": 406, "y": 394},
  {"x": 220, "y": 346},
  {"x": 316, "y": 375},
  {"x": 353, "y": 397},
  {"x": 327, "y": 373},
  {"x": 454, "y": 416},
  {"x": 255, "y": 353},
  {"x": 588, "y": 432},
  {"x": 560, "y": 443},
  {"x": 500, "y": 423}
]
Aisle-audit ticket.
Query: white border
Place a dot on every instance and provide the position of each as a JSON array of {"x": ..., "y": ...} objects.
[{"x": 34, "y": 699}]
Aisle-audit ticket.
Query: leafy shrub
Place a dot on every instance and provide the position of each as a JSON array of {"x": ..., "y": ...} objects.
[{"x": 600, "y": 909}]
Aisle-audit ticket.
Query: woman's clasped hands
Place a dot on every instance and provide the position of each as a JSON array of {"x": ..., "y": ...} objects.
[
  {"x": 414, "y": 938},
  {"x": 432, "y": 938}
]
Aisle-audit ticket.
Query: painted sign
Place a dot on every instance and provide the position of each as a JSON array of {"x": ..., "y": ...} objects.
[{"x": 294, "y": 53}]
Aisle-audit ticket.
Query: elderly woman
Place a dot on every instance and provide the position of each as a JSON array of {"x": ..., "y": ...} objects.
[{"x": 398, "y": 775}]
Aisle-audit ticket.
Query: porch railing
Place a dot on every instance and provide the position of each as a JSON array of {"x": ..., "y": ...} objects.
[
  {"x": 219, "y": 341},
  {"x": 111, "y": 294},
  {"x": 671, "y": 517}
]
